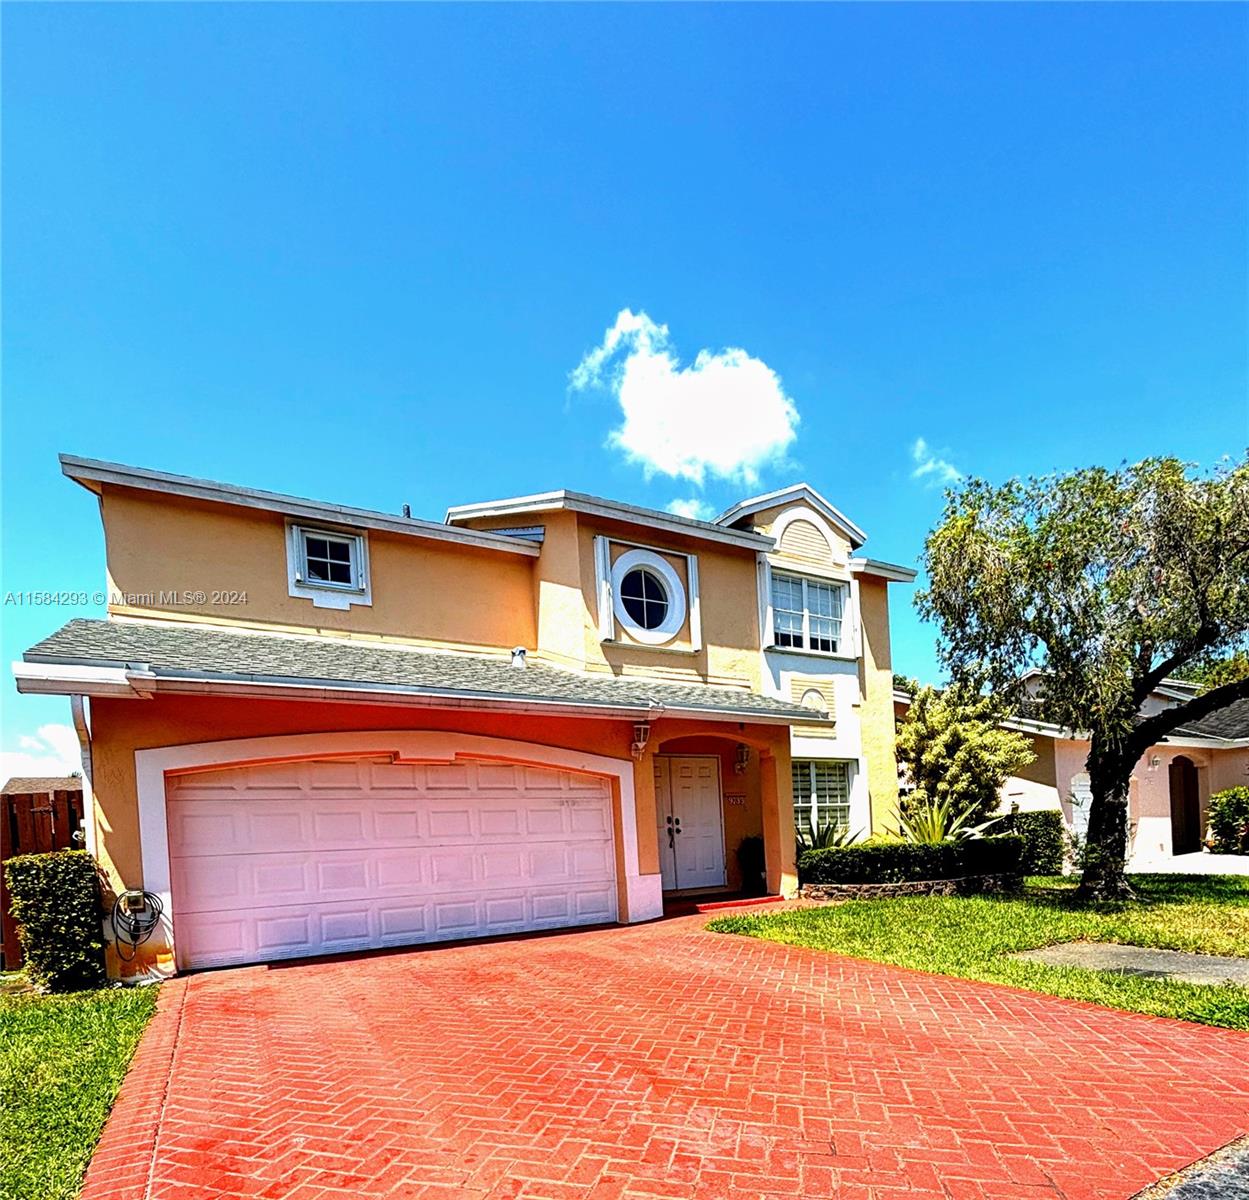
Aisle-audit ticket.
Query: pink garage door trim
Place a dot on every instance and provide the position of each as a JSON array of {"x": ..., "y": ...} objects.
[{"x": 659, "y": 1061}]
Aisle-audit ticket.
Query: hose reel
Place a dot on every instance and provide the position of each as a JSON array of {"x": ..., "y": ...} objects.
[{"x": 135, "y": 916}]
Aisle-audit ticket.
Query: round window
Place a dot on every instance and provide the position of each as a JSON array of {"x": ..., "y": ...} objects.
[
  {"x": 647, "y": 597},
  {"x": 644, "y": 597}
]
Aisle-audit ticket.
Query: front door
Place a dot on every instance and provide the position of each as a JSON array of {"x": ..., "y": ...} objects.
[
  {"x": 690, "y": 820},
  {"x": 1185, "y": 807}
]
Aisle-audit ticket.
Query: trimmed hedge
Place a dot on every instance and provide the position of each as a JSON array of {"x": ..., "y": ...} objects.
[
  {"x": 56, "y": 904},
  {"x": 1228, "y": 821},
  {"x": 1044, "y": 836},
  {"x": 907, "y": 862}
]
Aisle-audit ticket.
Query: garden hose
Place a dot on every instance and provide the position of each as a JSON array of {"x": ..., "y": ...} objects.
[{"x": 135, "y": 915}]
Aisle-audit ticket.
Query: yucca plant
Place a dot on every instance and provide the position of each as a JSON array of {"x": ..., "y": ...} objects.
[
  {"x": 831, "y": 837},
  {"x": 939, "y": 821}
]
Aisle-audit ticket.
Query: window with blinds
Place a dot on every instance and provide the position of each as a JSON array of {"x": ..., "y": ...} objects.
[{"x": 821, "y": 796}]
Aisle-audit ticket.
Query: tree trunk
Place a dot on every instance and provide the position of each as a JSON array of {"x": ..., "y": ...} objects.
[{"x": 1105, "y": 852}]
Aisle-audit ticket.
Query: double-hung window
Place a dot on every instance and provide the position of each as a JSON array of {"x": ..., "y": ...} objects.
[
  {"x": 807, "y": 613},
  {"x": 821, "y": 797}
]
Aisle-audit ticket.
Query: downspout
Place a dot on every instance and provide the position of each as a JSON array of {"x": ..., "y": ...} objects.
[{"x": 78, "y": 709}]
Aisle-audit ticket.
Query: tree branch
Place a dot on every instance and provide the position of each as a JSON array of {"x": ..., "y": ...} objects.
[
  {"x": 1154, "y": 729},
  {"x": 1205, "y": 637}
]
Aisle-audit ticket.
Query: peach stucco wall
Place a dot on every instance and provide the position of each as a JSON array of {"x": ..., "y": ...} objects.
[
  {"x": 1048, "y": 784},
  {"x": 727, "y": 600},
  {"x": 120, "y": 727},
  {"x": 428, "y": 592}
]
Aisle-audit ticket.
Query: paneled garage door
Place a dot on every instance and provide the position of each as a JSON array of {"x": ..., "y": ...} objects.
[{"x": 292, "y": 859}]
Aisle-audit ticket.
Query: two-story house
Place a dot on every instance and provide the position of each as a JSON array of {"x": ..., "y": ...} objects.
[{"x": 309, "y": 729}]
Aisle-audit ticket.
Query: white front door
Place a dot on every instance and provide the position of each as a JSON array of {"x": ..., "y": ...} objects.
[
  {"x": 690, "y": 821},
  {"x": 291, "y": 859}
]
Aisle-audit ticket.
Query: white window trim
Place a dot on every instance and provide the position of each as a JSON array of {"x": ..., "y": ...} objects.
[
  {"x": 328, "y": 595},
  {"x": 603, "y": 587},
  {"x": 848, "y": 766},
  {"x": 845, "y": 644},
  {"x": 674, "y": 621}
]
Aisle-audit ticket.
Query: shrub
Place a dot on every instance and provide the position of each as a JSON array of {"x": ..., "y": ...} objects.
[
  {"x": 1228, "y": 821},
  {"x": 56, "y": 904},
  {"x": 907, "y": 862},
  {"x": 1044, "y": 836}
]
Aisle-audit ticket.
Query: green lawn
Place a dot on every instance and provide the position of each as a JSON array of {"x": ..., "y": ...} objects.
[
  {"x": 971, "y": 937},
  {"x": 62, "y": 1059}
]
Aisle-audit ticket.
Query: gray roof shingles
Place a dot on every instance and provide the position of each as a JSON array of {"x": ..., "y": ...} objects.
[
  {"x": 184, "y": 651},
  {"x": 1231, "y": 722}
]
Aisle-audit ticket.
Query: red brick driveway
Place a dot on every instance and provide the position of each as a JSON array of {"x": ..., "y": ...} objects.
[{"x": 653, "y": 1062}]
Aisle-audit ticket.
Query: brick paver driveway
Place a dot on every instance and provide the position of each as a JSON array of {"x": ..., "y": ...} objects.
[{"x": 661, "y": 1061}]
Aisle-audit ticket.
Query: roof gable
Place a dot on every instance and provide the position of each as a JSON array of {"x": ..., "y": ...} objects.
[{"x": 795, "y": 494}]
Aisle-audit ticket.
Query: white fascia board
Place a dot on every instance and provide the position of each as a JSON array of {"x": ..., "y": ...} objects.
[
  {"x": 87, "y": 471},
  {"x": 894, "y": 572},
  {"x": 797, "y": 491},
  {"x": 612, "y": 510}
]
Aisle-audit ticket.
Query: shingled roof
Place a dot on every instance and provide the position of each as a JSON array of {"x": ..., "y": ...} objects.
[
  {"x": 174, "y": 652},
  {"x": 1231, "y": 723},
  {"x": 37, "y": 785}
]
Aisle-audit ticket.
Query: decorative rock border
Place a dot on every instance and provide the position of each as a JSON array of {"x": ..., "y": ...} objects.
[{"x": 968, "y": 885}]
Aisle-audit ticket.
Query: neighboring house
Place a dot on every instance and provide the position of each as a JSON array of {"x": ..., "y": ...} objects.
[
  {"x": 37, "y": 814},
  {"x": 311, "y": 728},
  {"x": 1171, "y": 785}
]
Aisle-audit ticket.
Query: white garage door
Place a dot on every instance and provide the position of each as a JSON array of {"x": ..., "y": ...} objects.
[{"x": 292, "y": 859}]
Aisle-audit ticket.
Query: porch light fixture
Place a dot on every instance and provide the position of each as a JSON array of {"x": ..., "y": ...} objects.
[
  {"x": 741, "y": 760},
  {"x": 641, "y": 735}
]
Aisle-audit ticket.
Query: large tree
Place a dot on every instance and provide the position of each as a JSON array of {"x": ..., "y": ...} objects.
[{"x": 1109, "y": 581}]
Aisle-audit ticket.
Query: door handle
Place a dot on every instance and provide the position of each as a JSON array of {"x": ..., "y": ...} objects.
[
  {"x": 678, "y": 824},
  {"x": 672, "y": 845}
]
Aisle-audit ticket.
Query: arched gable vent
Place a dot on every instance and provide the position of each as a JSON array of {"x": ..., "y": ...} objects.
[{"x": 801, "y": 539}]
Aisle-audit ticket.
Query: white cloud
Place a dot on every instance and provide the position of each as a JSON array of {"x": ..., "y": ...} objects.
[
  {"x": 931, "y": 468},
  {"x": 726, "y": 414},
  {"x": 695, "y": 509},
  {"x": 54, "y": 751}
]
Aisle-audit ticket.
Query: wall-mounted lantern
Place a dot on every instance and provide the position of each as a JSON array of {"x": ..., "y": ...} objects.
[
  {"x": 741, "y": 760},
  {"x": 641, "y": 735}
]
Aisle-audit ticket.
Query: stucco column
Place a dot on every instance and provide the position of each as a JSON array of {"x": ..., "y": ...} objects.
[
  {"x": 776, "y": 786},
  {"x": 644, "y": 802}
]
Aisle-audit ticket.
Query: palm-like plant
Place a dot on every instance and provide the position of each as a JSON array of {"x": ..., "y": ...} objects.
[
  {"x": 831, "y": 837},
  {"x": 939, "y": 821}
]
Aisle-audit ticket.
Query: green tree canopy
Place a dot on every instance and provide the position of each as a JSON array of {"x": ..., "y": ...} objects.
[
  {"x": 1110, "y": 581},
  {"x": 952, "y": 747}
]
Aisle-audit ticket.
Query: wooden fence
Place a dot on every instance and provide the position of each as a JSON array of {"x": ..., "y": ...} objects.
[{"x": 32, "y": 824}]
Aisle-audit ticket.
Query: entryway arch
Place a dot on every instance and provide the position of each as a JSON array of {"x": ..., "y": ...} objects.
[{"x": 1185, "y": 806}]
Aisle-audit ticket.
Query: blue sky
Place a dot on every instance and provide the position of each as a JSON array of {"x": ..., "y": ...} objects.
[{"x": 354, "y": 252}]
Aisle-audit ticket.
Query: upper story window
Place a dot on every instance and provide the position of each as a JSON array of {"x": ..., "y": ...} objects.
[
  {"x": 330, "y": 559},
  {"x": 327, "y": 566},
  {"x": 646, "y": 595},
  {"x": 807, "y": 613}
]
